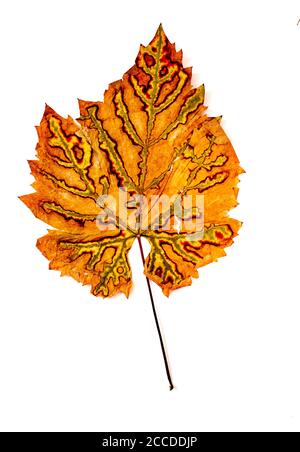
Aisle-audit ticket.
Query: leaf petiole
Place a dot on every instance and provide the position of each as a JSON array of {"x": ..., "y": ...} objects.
[{"x": 156, "y": 319}]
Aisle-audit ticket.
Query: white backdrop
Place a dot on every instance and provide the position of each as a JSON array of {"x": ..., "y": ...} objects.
[{"x": 70, "y": 362}]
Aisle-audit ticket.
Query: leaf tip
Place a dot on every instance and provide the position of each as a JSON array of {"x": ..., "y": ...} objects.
[
  {"x": 160, "y": 32},
  {"x": 48, "y": 110},
  {"x": 161, "y": 28}
]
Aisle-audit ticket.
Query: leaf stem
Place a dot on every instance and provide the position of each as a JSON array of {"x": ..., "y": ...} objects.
[{"x": 156, "y": 320}]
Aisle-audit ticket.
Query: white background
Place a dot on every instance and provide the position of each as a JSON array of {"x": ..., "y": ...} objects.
[{"x": 70, "y": 362}]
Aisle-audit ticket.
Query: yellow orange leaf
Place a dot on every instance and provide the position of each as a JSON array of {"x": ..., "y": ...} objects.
[{"x": 150, "y": 138}]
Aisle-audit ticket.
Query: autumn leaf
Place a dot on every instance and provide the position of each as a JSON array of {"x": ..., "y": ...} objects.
[{"x": 149, "y": 137}]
